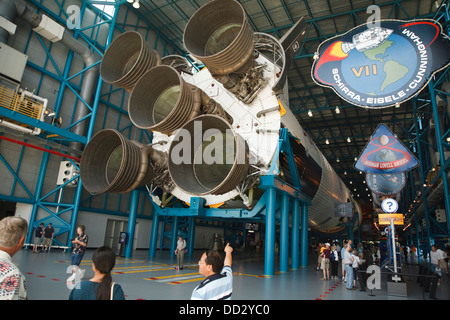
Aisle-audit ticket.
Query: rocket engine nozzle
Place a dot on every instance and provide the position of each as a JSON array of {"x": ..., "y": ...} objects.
[
  {"x": 208, "y": 157},
  {"x": 219, "y": 35},
  {"x": 162, "y": 101},
  {"x": 112, "y": 163},
  {"x": 127, "y": 58}
]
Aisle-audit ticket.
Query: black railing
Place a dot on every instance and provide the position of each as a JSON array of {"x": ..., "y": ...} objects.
[{"x": 427, "y": 279}]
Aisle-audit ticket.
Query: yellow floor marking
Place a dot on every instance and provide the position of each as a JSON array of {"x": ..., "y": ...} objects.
[{"x": 172, "y": 276}]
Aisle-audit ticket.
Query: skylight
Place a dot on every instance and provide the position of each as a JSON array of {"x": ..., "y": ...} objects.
[{"x": 107, "y": 7}]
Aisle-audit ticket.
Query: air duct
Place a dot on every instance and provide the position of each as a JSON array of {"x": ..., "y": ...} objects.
[
  {"x": 90, "y": 76},
  {"x": 7, "y": 11}
]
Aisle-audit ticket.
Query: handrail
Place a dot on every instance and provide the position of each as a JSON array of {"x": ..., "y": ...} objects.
[{"x": 428, "y": 287}]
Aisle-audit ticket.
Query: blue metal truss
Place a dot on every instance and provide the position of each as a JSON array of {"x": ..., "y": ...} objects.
[
  {"x": 433, "y": 189},
  {"x": 52, "y": 203}
]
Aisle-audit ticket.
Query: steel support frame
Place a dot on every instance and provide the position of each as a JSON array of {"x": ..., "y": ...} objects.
[
  {"x": 441, "y": 174},
  {"x": 266, "y": 211},
  {"x": 409, "y": 196},
  {"x": 40, "y": 201}
]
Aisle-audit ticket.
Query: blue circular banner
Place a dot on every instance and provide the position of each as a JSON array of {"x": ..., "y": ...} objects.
[{"x": 383, "y": 65}]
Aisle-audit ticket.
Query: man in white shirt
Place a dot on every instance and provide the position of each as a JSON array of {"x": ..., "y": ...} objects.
[
  {"x": 218, "y": 284},
  {"x": 348, "y": 262},
  {"x": 436, "y": 259},
  {"x": 13, "y": 231}
]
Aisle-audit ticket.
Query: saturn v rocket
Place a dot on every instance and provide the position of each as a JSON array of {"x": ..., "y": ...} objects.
[{"x": 215, "y": 132}]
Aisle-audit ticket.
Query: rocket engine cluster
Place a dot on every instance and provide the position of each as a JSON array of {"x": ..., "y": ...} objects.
[{"x": 214, "y": 132}]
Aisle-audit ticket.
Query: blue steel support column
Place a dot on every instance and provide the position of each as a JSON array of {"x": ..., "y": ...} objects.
[
  {"x": 161, "y": 236},
  {"x": 270, "y": 232},
  {"x": 284, "y": 234},
  {"x": 410, "y": 237},
  {"x": 37, "y": 195},
  {"x": 419, "y": 247},
  {"x": 74, "y": 217},
  {"x": 295, "y": 242},
  {"x": 422, "y": 175},
  {"x": 154, "y": 234},
  {"x": 132, "y": 223},
  {"x": 350, "y": 231},
  {"x": 173, "y": 242},
  {"x": 90, "y": 130},
  {"x": 304, "y": 236},
  {"x": 441, "y": 152},
  {"x": 191, "y": 236}
]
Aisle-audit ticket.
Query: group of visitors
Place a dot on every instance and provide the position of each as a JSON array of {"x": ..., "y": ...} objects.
[
  {"x": 13, "y": 232},
  {"x": 218, "y": 282},
  {"x": 329, "y": 257},
  {"x": 351, "y": 260},
  {"x": 43, "y": 236},
  {"x": 217, "y": 285}
]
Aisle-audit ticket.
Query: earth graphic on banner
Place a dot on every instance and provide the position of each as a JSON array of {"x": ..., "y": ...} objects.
[{"x": 383, "y": 69}]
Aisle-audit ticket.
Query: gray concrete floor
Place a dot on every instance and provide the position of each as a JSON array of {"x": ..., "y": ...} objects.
[{"x": 144, "y": 278}]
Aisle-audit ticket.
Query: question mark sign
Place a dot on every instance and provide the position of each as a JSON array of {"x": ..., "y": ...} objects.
[{"x": 390, "y": 204}]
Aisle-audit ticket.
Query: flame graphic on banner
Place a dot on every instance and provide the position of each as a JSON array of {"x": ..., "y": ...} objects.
[{"x": 333, "y": 53}]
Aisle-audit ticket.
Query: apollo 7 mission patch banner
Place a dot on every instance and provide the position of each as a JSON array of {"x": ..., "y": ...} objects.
[{"x": 382, "y": 65}]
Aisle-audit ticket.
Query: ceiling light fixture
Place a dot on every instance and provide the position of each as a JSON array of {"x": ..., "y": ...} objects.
[
  {"x": 136, "y": 4},
  {"x": 327, "y": 142},
  {"x": 310, "y": 113},
  {"x": 337, "y": 110}
]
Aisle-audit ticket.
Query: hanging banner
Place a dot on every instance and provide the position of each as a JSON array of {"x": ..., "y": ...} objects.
[
  {"x": 384, "y": 153},
  {"x": 383, "y": 65},
  {"x": 387, "y": 184}
]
